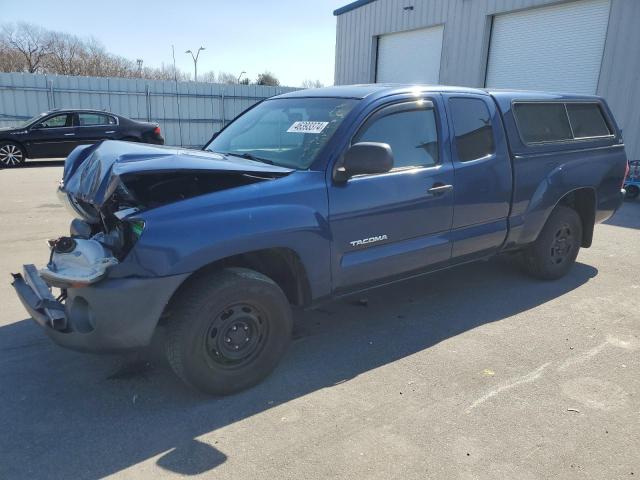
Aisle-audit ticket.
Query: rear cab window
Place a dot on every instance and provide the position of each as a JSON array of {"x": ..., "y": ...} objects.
[
  {"x": 472, "y": 128},
  {"x": 549, "y": 122}
]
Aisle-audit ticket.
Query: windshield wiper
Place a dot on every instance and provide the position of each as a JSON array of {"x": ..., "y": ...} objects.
[{"x": 250, "y": 156}]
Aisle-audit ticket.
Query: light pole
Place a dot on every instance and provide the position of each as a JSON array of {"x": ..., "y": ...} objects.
[
  {"x": 240, "y": 76},
  {"x": 195, "y": 62}
]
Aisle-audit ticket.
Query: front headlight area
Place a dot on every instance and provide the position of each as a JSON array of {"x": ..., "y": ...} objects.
[
  {"x": 122, "y": 236},
  {"x": 84, "y": 257},
  {"x": 136, "y": 227}
]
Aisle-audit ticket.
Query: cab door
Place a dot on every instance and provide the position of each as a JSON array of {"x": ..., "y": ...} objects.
[
  {"x": 53, "y": 137},
  {"x": 92, "y": 127},
  {"x": 397, "y": 222},
  {"x": 483, "y": 176}
]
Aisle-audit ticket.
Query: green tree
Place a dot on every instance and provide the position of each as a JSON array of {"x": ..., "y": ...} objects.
[{"x": 268, "y": 78}]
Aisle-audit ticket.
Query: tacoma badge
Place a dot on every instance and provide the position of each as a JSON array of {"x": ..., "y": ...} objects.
[{"x": 365, "y": 241}]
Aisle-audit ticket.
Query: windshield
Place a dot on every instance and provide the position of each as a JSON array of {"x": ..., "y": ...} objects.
[{"x": 289, "y": 132}]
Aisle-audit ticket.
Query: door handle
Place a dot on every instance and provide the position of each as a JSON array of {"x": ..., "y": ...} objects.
[
  {"x": 439, "y": 189},
  {"x": 110, "y": 131},
  {"x": 69, "y": 134}
]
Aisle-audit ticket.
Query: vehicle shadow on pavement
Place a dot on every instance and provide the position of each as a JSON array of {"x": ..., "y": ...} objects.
[
  {"x": 628, "y": 216},
  {"x": 68, "y": 415}
]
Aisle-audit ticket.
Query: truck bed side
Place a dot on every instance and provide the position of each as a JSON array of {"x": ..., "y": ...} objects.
[{"x": 585, "y": 173}]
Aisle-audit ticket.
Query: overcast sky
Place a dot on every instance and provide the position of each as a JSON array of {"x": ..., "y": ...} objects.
[{"x": 295, "y": 39}]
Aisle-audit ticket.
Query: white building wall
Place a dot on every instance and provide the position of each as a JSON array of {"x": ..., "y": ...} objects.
[{"x": 467, "y": 31}]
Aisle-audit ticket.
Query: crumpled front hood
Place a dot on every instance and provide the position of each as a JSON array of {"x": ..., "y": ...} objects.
[{"x": 92, "y": 174}]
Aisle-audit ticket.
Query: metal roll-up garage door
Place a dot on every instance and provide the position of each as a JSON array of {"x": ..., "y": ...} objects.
[
  {"x": 549, "y": 48},
  {"x": 410, "y": 57}
]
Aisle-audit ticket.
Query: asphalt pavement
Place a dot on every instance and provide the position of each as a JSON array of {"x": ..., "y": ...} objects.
[{"x": 475, "y": 373}]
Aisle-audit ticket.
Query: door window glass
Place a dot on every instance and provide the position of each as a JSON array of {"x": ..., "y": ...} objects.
[
  {"x": 411, "y": 134},
  {"x": 473, "y": 130},
  {"x": 91, "y": 119},
  {"x": 57, "y": 121}
]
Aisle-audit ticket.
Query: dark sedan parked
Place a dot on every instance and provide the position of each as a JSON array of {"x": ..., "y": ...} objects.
[{"x": 58, "y": 132}]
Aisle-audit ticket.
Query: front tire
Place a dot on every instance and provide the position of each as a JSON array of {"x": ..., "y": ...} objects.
[
  {"x": 228, "y": 330},
  {"x": 555, "y": 250},
  {"x": 11, "y": 155}
]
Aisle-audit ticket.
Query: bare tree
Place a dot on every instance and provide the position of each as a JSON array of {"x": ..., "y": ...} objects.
[
  {"x": 97, "y": 62},
  {"x": 30, "y": 48},
  {"x": 208, "y": 77},
  {"x": 226, "y": 77},
  {"x": 65, "y": 54},
  {"x": 10, "y": 59},
  {"x": 93, "y": 55},
  {"x": 312, "y": 84},
  {"x": 165, "y": 72},
  {"x": 30, "y": 41}
]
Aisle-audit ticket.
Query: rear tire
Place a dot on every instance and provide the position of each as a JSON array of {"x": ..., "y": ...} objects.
[
  {"x": 11, "y": 155},
  {"x": 555, "y": 250},
  {"x": 632, "y": 192},
  {"x": 228, "y": 330}
]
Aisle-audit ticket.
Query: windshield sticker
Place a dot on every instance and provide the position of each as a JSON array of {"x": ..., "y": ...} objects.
[{"x": 307, "y": 127}]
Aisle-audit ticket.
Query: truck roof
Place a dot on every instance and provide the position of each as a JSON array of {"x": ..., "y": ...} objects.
[
  {"x": 377, "y": 89},
  {"x": 385, "y": 89}
]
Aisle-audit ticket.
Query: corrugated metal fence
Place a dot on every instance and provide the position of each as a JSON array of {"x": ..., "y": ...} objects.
[{"x": 188, "y": 112}]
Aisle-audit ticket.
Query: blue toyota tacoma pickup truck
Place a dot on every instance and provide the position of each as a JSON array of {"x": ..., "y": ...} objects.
[{"x": 312, "y": 195}]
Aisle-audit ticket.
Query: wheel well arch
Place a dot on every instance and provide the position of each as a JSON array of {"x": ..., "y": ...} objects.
[
  {"x": 583, "y": 201},
  {"x": 20, "y": 144},
  {"x": 280, "y": 264}
]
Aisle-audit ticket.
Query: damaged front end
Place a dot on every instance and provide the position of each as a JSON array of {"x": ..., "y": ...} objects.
[
  {"x": 108, "y": 187},
  {"x": 77, "y": 261}
]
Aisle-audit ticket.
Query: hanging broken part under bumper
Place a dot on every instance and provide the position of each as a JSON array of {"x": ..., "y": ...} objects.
[
  {"x": 112, "y": 315},
  {"x": 38, "y": 299}
]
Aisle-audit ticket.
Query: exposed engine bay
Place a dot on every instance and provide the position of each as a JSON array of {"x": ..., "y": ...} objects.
[{"x": 105, "y": 185}]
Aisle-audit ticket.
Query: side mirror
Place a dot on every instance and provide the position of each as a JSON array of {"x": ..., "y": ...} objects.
[
  {"x": 365, "y": 158},
  {"x": 37, "y": 126}
]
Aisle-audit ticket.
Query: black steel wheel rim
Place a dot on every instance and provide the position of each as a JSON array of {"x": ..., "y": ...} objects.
[
  {"x": 236, "y": 335},
  {"x": 562, "y": 245}
]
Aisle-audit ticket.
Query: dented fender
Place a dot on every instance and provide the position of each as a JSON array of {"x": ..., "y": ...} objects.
[{"x": 186, "y": 236}]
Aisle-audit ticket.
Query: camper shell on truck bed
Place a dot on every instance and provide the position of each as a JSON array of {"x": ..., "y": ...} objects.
[{"x": 308, "y": 196}]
